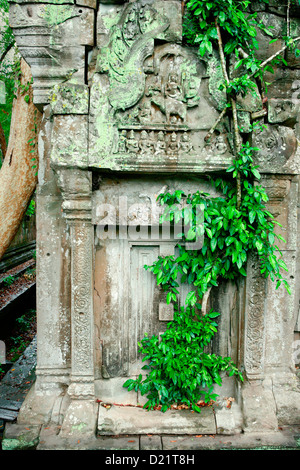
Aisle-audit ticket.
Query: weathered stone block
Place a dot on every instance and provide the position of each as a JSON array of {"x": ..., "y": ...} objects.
[
  {"x": 283, "y": 110},
  {"x": 111, "y": 391},
  {"x": 69, "y": 98},
  {"x": 150, "y": 443},
  {"x": 277, "y": 149},
  {"x": 70, "y": 141},
  {"x": 287, "y": 397},
  {"x": 229, "y": 419},
  {"x": 259, "y": 409},
  {"x": 166, "y": 311},
  {"x": 20, "y": 437},
  {"x": 52, "y": 39},
  {"x": 127, "y": 420}
]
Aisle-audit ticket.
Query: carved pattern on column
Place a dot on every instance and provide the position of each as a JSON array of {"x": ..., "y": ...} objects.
[
  {"x": 76, "y": 189},
  {"x": 81, "y": 298},
  {"x": 254, "y": 338}
]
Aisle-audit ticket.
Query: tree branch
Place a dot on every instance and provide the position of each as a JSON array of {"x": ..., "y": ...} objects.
[
  {"x": 6, "y": 51},
  {"x": 234, "y": 111},
  {"x": 210, "y": 133},
  {"x": 274, "y": 56},
  {"x": 288, "y": 23}
]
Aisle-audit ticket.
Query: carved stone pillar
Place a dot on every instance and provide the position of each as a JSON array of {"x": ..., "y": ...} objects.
[
  {"x": 258, "y": 403},
  {"x": 271, "y": 394},
  {"x": 281, "y": 307},
  {"x": 44, "y": 401},
  {"x": 76, "y": 189}
]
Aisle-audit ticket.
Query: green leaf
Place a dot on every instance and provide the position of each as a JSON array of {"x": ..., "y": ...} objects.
[
  {"x": 282, "y": 264},
  {"x": 213, "y": 244},
  {"x": 213, "y": 314},
  {"x": 255, "y": 173},
  {"x": 252, "y": 215},
  {"x": 286, "y": 285},
  {"x": 222, "y": 16},
  {"x": 259, "y": 245},
  {"x": 209, "y": 232}
]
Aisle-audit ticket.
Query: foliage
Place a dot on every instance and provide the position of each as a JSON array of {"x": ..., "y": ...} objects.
[
  {"x": 229, "y": 234},
  {"x": 179, "y": 370},
  {"x": 232, "y": 16},
  {"x": 8, "y": 280},
  {"x": 234, "y": 224},
  {"x": 22, "y": 335},
  {"x": 24, "y": 322},
  {"x": 239, "y": 28},
  {"x": 7, "y": 72},
  {"x": 30, "y": 211}
]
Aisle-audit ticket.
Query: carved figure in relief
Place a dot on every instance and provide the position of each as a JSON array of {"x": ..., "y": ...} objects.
[
  {"x": 276, "y": 144},
  {"x": 145, "y": 114},
  {"x": 146, "y": 17},
  {"x": 173, "y": 89},
  {"x": 191, "y": 86},
  {"x": 122, "y": 142},
  {"x": 130, "y": 26},
  {"x": 174, "y": 105},
  {"x": 160, "y": 146},
  {"x": 220, "y": 144},
  {"x": 131, "y": 143},
  {"x": 173, "y": 145},
  {"x": 145, "y": 144},
  {"x": 119, "y": 49},
  {"x": 185, "y": 143},
  {"x": 154, "y": 86}
]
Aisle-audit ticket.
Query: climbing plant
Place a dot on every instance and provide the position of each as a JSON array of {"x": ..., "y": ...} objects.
[
  {"x": 180, "y": 368},
  {"x": 6, "y": 75}
]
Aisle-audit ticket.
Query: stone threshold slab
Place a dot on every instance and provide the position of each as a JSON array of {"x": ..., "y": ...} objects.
[
  {"x": 118, "y": 420},
  {"x": 47, "y": 437}
]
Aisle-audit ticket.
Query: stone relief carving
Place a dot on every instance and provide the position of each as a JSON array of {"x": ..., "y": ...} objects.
[
  {"x": 154, "y": 143},
  {"x": 147, "y": 100},
  {"x": 277, "y": 144}
]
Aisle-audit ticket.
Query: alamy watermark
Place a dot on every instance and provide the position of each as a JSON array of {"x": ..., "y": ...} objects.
[{"x": 142, "y": 221}]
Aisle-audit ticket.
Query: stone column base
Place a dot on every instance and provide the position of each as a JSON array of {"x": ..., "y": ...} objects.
[
  {"x": 286, "y": 391},
  {"x": 259, "y": 408},
  {"x": 80, "y": 419},
  {"x": 40, "y": 405}
]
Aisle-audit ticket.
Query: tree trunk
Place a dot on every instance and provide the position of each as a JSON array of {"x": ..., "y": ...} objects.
[{"x": 18, "y": 174}]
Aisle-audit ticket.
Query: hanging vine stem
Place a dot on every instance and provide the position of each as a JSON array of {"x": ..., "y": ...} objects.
[
  {"x": 212, "y": 130},
  {"x": 288, "y": 24},
  {"x": 234, "y": 110}
]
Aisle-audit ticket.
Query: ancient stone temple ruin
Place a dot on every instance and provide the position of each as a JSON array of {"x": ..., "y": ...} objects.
[{"x": 126, "y": 108}]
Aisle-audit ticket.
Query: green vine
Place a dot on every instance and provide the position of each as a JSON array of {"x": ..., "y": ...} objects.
[{"x": 235, "y": 223}]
